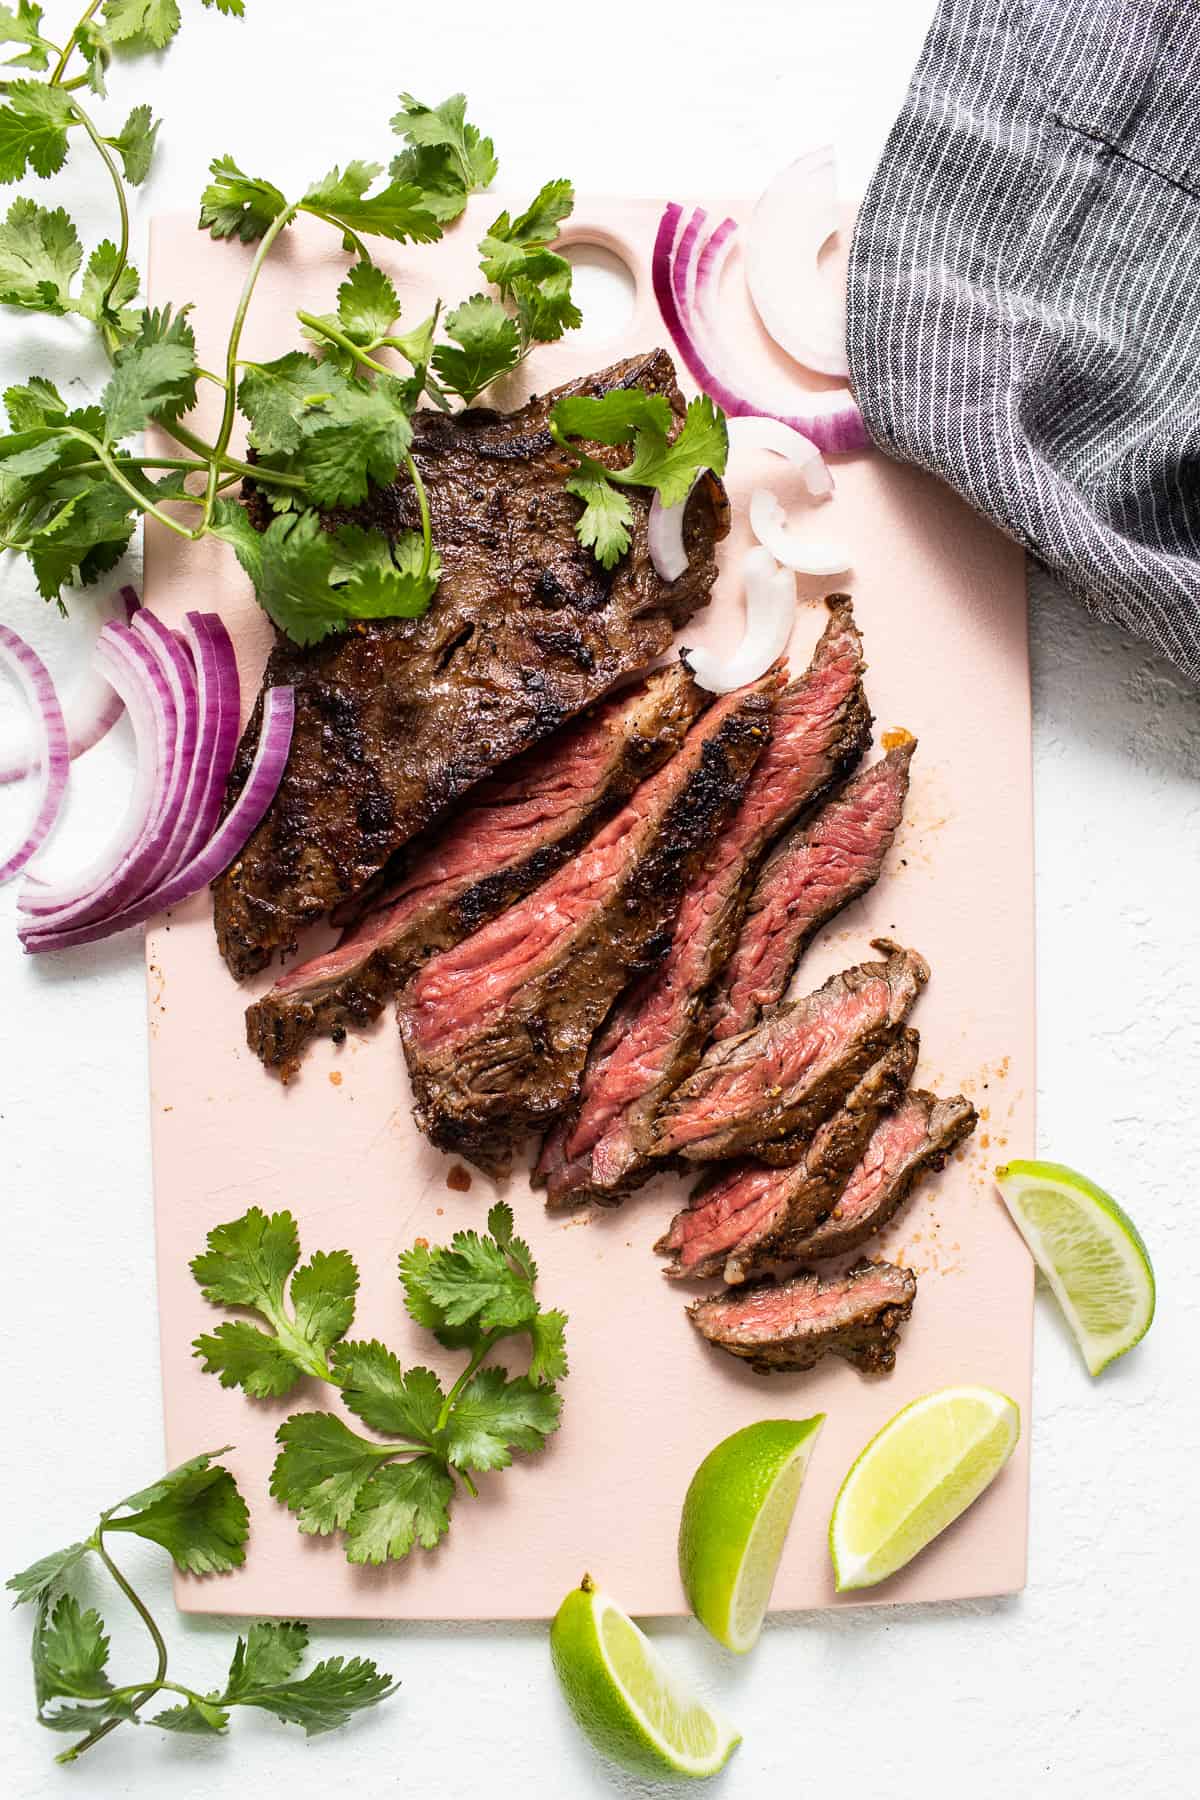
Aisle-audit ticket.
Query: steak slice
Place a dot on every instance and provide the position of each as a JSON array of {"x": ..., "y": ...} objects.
[
  {"x": 496, "y": 1030},
  {"x": 735, "y": 1223},
  {"x": 789, "y": 1075},
  {"x": 819, "y": 729},
  {"x": 397, "y": 718},
  {"x": 518, "y": 827},
  {"x": 792, "y": 1324},
  {"x": 918, "y": 1136},
  {"x": 808, "y": 878}
]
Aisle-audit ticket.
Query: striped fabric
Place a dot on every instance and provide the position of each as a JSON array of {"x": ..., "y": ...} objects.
[{"x": 1024, "y": 292}]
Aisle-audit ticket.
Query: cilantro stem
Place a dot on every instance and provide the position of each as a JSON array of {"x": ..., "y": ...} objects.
[
  {"x": 423, "y": 504},
  {"x": 279, "y": 223},
  {"x": 106, "y": 157},
  {"x": 160, "y": 1649},
  {"x": 252, "y": 471},
  {"x": 65, "y": 54},
  {"x": 113, "y": 470},
  {"x": 360, "y": 249},
  {"x": 477, "y": 1355}
]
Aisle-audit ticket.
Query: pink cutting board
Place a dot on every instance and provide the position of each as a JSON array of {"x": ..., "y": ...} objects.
[{"x": 940, "y": 598}]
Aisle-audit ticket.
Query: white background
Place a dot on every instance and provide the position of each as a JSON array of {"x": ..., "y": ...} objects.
[{"x": 1083, "y": 1684}]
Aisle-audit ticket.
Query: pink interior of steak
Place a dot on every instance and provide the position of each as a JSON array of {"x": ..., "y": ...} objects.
[
  {"x": 897, "y": 1137},
  {"x": 792, "y": 767},
  {"x": 794, "y": 1308},
  {"x": 751, "y": 1200},
  {"x": 805, "y": 881},
  {"x": 795, "y": 1053},
  {"x": 455, "y": 991}
]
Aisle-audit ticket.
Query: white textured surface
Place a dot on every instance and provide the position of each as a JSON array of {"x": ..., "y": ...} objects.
[{"x": 1079, "y": 1686}]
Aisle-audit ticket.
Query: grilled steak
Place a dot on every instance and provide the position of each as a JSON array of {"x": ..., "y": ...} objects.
[
  {"x": 496, "y": 1030},
  {"x": 793, "y": 1324},
  {"x": 789, "y": 1075},
  {"x": 818, "y": 730},
  {"x": 518, "y": 827},
  {"x": 735, "y": 1223},
  {"x": 806, "y": 880},
  {"x": 398, "y": 717},
  {"x": 919, "y": 1135}
]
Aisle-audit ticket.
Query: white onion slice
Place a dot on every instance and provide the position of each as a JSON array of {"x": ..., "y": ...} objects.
[
  {"x": 50, "y": 745},
  {"x": 773, "y": 434},
  {"x": 803, "y": 311},
  {"x": 768, "y": 522},
  {"x": 770, "y": 615},
  {"x": 664, "y": 535}
]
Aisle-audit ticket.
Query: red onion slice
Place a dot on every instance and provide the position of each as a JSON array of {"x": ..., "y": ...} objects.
[
  {"x": 91, "y": 709},
  {"x": 176, "y": 665},
  {"x": 247, "y": 812},
  {"x": 770, "y": 616},
  {"x": 53, "y": 757},
  {"x": 799, "y": 308},
  {"x": 832, "y": 421},
  {"x": 664, "y": 535},
  {"x": 768, "y": 522}
]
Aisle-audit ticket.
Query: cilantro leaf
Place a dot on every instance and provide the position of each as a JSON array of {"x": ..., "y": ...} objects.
[
  {"x": 248, "y": 1263},
  {"x": 281, "y": 400},
  {"x": 267, "y": 1654},
  {"x": 490, "y": 346},
  {"x": 135, "y": 144},
  {"x": 238, "y": 205},
  {"x": 154, "y": 376},
  {"x": 607, "y": 518},
  {"x": 321, "y": 1470},
  {"x": 404, "y": 1503},
  {"x": 142, "y": 24},
  {"x": 94, "y": 43},
  {"x": 86, "y": 1718},
  {"x": 195, "y": 1513},
  {"x": 38, "y": 402},
  {"x": 397, "y": 211},
  {"x": 84, "y": 535},
  {"x": 414, "y": 1267},
  {"x": 323, "y": 1699},
  {"x": 493, "y": 1416},
  {"x": 23, "y": 27},
  {"x": 40, "y": 253},
  {"x": 516, "y": 255},
  {"x": 548, "y": 1362},
  {"x": 37, "y": 1581},
  {"x": 196, "y": 1716},
  {"x": 614, "y": 417},
  {"x": 115, "y": 319},
  {"x": 33, "y": 129},
  {"x": 447, "y": 159},
  {"x": 701, "y": 443},
  {"x": 376, "y": 1388},
  {"x": 368, "y": 305},
  {"x": 233, "y": 9},
  {"x": 474, "y": 1282},
  {"x": 70, "y": 1653}
]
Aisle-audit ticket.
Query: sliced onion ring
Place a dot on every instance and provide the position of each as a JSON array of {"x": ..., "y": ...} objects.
[
  {"x": 768, "y": 522},
  {"x": 53, "y": 757},
  {"x": 804, "y": 312},
  {"x": 832, "y": 421},
  {"x": 91, "y": 709},
  {"x": 770, "y": 616},
  {"x": 774, "y": 435},
  {"x": 664, "y": 535},
  {"x": 246, "y": 813}
]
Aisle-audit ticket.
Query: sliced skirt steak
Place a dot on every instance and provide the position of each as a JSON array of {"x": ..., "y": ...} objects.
[
  {"x": 515, "y": 829},
  {"x": 786, "y": 1078},
  {"x": 496, "y": 1030},
  {"x": 818, "y": 731},
  {"x": 806, "y": 880},
  {"x": 396, "y": 718},
  {"x": 918, "y": 1136},
  {"x": 791, "y": 1325},
  {"x": 734, "y": 1223}
]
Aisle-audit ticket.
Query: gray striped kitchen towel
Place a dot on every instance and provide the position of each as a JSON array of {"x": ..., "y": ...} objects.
[{"x": 1024, "y": 292}]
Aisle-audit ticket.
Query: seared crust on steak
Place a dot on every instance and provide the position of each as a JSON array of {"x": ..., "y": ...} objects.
[
  {"x": 787, "y": 1077},
  {"x": 496, "y": 1030},
  {"x": 514, "y": 830},
  {"x": 791, "y": 1325},
  {"x": 396, "y": 718}
]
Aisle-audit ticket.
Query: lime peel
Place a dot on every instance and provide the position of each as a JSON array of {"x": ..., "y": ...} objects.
[
  {"x": 626, "y": 1699},
  {"x": 1090, "y": 1252}
]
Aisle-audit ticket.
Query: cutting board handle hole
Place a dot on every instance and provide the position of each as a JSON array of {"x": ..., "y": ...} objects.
[{"x": 604, "y": 286}]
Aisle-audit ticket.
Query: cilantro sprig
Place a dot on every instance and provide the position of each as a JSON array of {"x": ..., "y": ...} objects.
[
  {"x": 197, "y": 1515},
  {"x": 393, "y": 1490},
  {"x": 669, "y": 464},
  {"x": 324, "y": 425}
]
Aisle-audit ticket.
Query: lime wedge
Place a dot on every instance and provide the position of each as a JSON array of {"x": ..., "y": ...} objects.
[
  {"x": 1090, "y": 1253},
  {"x": 625, "y": 1697},
  {"x": 735, "y": 1519},
  {"x": 915, "y": 1477}
]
